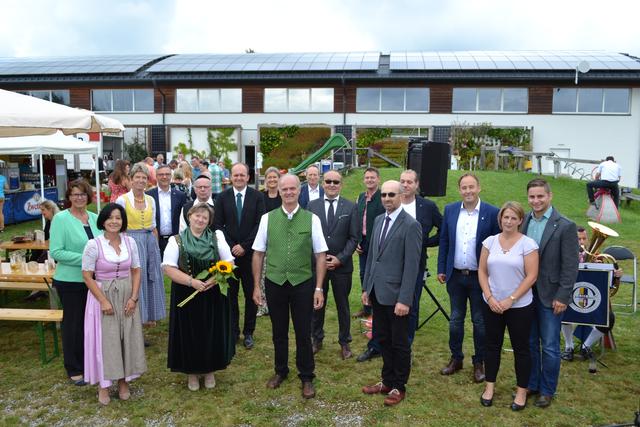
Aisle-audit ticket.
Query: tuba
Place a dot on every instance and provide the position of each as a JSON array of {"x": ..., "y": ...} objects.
[{"x": 600, "y": 233}]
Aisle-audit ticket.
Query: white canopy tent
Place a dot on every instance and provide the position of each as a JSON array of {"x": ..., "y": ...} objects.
[{"x": 58, "y": 143}]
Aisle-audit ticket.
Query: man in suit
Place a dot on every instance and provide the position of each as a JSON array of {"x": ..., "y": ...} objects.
[
  {"x": 389, "y": 283},
  {"x": 339, "y": 220},
  {"x": 464, "y": 228},
  {"x": 291, "y": 235},
  {"x": 169, "y": 203},
  {"x": 202, "y": 189},
  {"x": 310, "y": 190},
  {"x": 237, "y": 213},
  {"x": 557, "y": 239},
  {"x": 427, "y": 214}
]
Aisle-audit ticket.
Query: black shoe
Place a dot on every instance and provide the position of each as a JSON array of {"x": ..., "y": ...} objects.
[
  {"x": 486, "y": 402},
  {"x": 368, "y": 354},
  {"x": 586, "y": 353},
  {"x": 248, "y": 342},
  {"x": 147, "y": 343},
  {"x": 567, "y": 355},
  {"x": 516, "y": 407}
]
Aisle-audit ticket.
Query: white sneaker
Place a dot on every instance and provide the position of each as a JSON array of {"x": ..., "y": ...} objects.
[
  {"x": 209, "y": 380},
  {"x": 193, "y": 382}
]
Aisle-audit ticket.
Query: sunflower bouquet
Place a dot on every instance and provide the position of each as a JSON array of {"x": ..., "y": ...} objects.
[{"x": 221, "y": 271}]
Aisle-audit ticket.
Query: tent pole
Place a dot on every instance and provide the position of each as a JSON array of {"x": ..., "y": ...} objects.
[
  {"x": 98, "y": 157},
  {"x": 41, "y": 187}
]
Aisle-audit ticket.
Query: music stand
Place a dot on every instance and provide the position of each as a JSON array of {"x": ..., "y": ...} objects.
[{"x": 439, "y": 307}]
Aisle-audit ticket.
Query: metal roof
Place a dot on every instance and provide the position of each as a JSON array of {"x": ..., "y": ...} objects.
[{"x": 544, "y": 60}]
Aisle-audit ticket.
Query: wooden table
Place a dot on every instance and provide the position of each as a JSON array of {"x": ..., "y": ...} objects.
[
  {"x": 28, "y": 246},
  {"x": 28, "y": 281}
]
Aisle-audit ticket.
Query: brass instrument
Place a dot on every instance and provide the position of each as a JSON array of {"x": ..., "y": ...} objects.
[{"x": 600, "y": 233}]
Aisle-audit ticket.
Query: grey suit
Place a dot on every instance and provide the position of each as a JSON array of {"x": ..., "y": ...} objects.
[
  {"x": 342, "y": 237},
  {"x": 557, "y": 273},
  {"x": 390, "y": 278}
]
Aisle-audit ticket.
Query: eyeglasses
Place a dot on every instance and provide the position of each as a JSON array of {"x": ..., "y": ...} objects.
[
  {"x": 78, "y": 195},
  {"x": 390, "y": 195},
  {"x": 163, "y": 174},
  {"x": 332, "y": 181},
  {"x": 203, "y": 187}
]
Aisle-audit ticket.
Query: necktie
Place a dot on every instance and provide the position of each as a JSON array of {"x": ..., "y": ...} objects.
[
  {"x": 239, "y": 206},
  {"x": 387, "y": 220},
  {"x": 331, "y": 214}
]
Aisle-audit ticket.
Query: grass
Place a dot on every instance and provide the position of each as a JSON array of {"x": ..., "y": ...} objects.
[{"x": 31, "y": 394}]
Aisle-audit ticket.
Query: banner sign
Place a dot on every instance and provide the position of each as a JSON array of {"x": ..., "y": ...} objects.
[{"x": 589, "y": 303}]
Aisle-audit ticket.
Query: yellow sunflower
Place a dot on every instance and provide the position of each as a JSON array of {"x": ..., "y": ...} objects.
[
  {"x": 224, "y": 267},
  {"x": 212, "y": 269}
]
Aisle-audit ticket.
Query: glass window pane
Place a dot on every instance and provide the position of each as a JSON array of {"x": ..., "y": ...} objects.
[
  {"x": 101, "y": 100},
  {"x": 392, "y": 99},
  {"x": 417, "y": 99},
  {"x": 275, "y": 100},
  {"x": 61, "y": 97},
  {"x": 590, "y": 101},
  {"x": 41, "y": 94},
  {"x": 208, "y": 100},
  {"x": 143, "y": 99},
  {"x": 367, "y": 99},
  {"x": 616, "y": 100},
  {"x": 122, "y": 99},
  {"x": 186, "y": 100},
  {"x": 515, "y": 100},
  {"x": 322, "y": 100},
  {"x": 231, "y": 100},
  {"x": 489, "y": 99},
  {"x": 564, "y": 100},
  {"x": 299, "y": 100},
  {"x": 464, "y": 99}
]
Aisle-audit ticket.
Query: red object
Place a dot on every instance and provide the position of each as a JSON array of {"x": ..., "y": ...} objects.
[{"x": 94, "y": 136}]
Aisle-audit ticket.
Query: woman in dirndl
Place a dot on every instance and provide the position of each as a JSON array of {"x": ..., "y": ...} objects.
[
  {"x": 141, "y": 220},
  {"x": 113, "y": 341},
  {"x": 200, "y": 340}
]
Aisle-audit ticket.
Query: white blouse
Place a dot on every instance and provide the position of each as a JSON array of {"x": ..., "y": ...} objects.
[
  {"x": 90, "y": 254},
  {"x": 172, "y": 251}
]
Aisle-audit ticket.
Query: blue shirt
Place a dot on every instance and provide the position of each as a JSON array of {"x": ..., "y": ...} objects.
[
  {"x": 3, "y": 181},
  {"x": 537, "y": 225}
]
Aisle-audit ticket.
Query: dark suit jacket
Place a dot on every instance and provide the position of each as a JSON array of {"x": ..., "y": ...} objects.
[
  {"x": 487, "y": 226},
  {"x": 226, "y": 219},
  {"x": 178, "y": 199},
  {"x": 391, "y": 270},
  {"x": 344, "y": 236},
  {"x": 374, "y": 209},
  {"x": 303, "y": 198},
  {"x": 428, "y": 215},
  {"x": 558, "y": 250}
]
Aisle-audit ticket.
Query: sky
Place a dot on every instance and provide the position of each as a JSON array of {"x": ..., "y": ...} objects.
[{"x": 92, "y": 27}]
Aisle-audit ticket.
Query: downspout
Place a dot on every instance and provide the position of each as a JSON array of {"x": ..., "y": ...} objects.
[
  {"x": 344, "y": 100},
  {"x": 164, "y": 109}
]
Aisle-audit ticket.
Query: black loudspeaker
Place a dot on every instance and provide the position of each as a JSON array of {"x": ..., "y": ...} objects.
[{"x": 431, "y": 162}]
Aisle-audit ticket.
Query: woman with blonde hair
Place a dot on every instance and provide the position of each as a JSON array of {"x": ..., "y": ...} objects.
[{"x": 187, "y": 175}]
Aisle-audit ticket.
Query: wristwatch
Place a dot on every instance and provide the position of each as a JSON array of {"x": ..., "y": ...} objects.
[{"x": 513, "y": 299}]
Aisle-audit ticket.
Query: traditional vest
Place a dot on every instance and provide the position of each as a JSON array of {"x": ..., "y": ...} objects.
[
  {"x": 139, "y": 219},
  {"x": 289, "y": 247}
]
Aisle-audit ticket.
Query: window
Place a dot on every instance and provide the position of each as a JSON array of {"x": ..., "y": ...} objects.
[
  {"x": 591, "y": 101},
  {"x": 60, "y": 96},
  {"x": 392, "y": 99},
  {"x": 209, "y": 100},
  {"x": 122, "y": 100},
  {"x": 295, "y": 100},
  {"x": 490, "y": 100}
]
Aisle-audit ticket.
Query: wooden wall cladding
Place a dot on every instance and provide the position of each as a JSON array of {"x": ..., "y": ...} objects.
[{"x": 80, "y": 97}]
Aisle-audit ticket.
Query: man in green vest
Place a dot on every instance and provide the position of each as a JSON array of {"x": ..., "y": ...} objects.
[{"x": 291, "y": 235}]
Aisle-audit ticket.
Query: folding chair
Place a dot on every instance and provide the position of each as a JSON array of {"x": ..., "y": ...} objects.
[{"x": 621, "y": 253}]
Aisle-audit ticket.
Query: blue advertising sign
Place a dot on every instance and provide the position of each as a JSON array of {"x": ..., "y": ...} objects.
[{"x": 589, "y": 304}]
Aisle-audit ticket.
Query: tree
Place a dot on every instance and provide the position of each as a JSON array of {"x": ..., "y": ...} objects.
[
  {"x": 220, "y": 142},
  {"x": 136, "y": 151}
]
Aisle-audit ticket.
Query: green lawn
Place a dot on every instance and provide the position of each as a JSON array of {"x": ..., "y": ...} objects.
[{"x": 40, "y": 395}]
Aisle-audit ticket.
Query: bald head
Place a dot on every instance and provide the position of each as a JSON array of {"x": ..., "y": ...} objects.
[{"x": 391, "y": 193}]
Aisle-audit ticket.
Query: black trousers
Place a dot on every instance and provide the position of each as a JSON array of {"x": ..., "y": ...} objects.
[
  {"x": 518, "y": 322},
  {"x": 341, "y": 287},
  {"x": 73, "y": 296},
  {"x": 162, "y": 243},
  {"x": 393, "y": 336},
  {"x": 245, "y": 276},
  {"x": 299, "y": 300},
  {"x": 601, "y": 183}
]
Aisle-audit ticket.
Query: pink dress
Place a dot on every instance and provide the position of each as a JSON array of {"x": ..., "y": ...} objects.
[
  {"x": 117, "y": 190},
  {"x": 119, "y": 335}
]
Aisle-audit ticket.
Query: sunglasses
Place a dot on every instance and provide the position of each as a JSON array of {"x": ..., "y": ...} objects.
[
  {"x": 332, "y": 181},
  {"x": 391, "y": 195}
]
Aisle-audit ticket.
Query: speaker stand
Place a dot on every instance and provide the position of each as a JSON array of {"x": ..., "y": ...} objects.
[{"x": 439, "y": 307}]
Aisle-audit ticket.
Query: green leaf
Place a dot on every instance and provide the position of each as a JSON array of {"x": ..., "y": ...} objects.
[{"x": 203, "y": 275}]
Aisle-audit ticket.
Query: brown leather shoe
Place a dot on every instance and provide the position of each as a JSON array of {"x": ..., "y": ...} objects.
[
  {"x": 275, "y": 381},
  {"x": 316, "y": 346},
  {"x": 478, "y": 372},
  {"x": 394, "y": 397},
  {"x": 376, "y": 388},
  {"x": 453, "y": 367},
  {"x": 308, "y": 390},
  {"x": 345, "y": 351},
  {"x": 543, "y": 401}
]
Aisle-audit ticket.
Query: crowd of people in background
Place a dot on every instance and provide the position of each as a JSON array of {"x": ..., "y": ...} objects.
[{"x": 290, "y": 244}]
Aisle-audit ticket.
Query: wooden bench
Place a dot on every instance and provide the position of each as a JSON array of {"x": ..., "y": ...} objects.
[
  {"x": 44, "y": 319},
  {"x": 628, "y": 197}
]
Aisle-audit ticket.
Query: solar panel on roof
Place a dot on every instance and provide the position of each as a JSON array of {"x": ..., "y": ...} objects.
[{"x": 74, "y": 65}]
